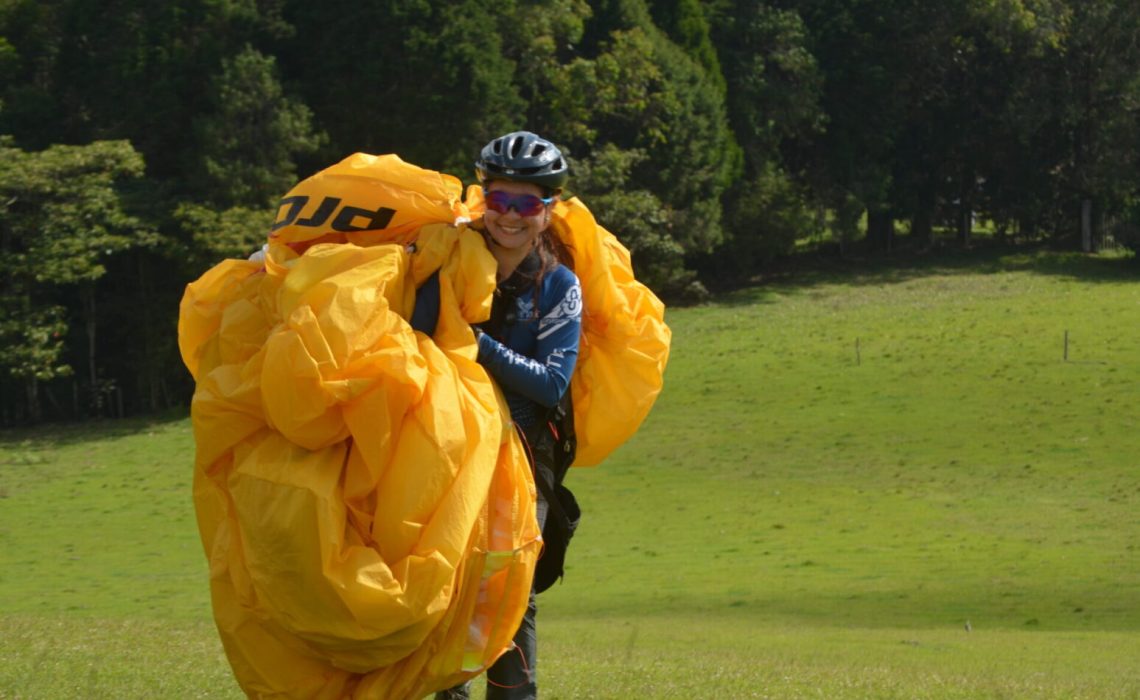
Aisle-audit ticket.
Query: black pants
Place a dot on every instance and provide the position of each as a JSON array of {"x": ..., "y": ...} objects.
[{"x": 512, "y": 677}]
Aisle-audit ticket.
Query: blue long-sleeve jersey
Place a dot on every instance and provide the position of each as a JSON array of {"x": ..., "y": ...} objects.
[{"x": 533, "y": 353}]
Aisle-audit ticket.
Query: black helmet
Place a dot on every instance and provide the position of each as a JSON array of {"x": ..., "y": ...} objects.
[{"x": 523, "y": 157}]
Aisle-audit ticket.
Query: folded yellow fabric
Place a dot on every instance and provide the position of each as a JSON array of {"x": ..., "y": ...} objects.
[{"x": 366, "y": 508}]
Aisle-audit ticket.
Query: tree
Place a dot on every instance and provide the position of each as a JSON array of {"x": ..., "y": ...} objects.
[
  {"x": 553, "y": 39},
  {"x": 642, "y": 111},
  {"x": 860, "y": 49},
  {"x": 773, "y": 101},
  {"x": 124, "y": 70},
  {"x": 1095, "y": 69},
  {"x": 251, "y": 135},
  {"x": 249, "y": 143},
  {"x": 685, "y": 23},
  {"x": 428, "y": 81},
  {"x": 62, "y": 219},
  {"x": 918, "y": 98},
  {"x": 636, "y": 216},
  {"x": 33, "y": 347}
]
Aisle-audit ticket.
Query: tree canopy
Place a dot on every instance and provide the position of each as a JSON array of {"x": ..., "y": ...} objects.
[{"x": 142, "y": 142}]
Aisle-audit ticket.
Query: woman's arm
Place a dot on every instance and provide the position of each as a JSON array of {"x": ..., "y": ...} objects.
[{"x": 545, "y": 377}]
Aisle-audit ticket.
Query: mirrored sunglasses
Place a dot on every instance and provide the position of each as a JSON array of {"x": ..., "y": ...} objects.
[{"x": 525, "y": 204}]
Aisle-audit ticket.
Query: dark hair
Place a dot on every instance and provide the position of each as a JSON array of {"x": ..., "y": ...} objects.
[{"x": 552, "y": 252}]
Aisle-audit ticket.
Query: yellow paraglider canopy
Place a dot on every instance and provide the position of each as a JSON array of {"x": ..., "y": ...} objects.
[{"x": 365, "y": 505}]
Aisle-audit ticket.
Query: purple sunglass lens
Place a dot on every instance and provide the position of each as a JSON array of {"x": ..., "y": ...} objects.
[{"x": 524, "y": 204}]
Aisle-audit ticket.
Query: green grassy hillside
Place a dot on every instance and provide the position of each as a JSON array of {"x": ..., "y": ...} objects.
[
  {"x": 840, "y": 475},
  {"x": 802, "y": 519}
]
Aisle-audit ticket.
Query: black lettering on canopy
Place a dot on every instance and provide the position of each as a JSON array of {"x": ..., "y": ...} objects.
[
  {"x": 323, "y": 212},
  {"x": 295, "y": 204},
  {"x": 375, "y": 219}
]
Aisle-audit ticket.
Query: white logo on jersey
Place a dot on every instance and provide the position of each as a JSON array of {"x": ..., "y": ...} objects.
[{"x": 569, "y": 309}]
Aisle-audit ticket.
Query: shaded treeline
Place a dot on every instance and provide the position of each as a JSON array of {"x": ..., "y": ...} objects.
[{"x": 140, "y": 142}]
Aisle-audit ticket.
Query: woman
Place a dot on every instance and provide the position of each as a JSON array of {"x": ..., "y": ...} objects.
[{"x": 529, "y": 346}]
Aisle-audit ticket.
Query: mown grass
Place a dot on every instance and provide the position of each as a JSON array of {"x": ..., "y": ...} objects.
[
  {"x": 97, "y": 521},
  {"x": 102, "y": 577},
  {"x": 795, "y": 520}
]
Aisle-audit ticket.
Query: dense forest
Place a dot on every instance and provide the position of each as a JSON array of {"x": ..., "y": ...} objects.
[{"x": 143, "y": 141}]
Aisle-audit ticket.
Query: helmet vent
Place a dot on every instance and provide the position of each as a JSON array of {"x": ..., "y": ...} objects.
[{"x": 524, "y": 157}]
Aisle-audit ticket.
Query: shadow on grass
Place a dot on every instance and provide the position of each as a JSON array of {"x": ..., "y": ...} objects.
[
  {"x": 808, "y": 270},
  {"x": 57, "y": 434}
]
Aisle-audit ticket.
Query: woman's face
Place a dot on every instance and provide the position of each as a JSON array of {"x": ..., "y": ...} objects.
[{"x": 513, "y": 230}]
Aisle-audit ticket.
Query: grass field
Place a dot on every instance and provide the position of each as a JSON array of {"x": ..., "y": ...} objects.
[{"x": 844, "y": 470}]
